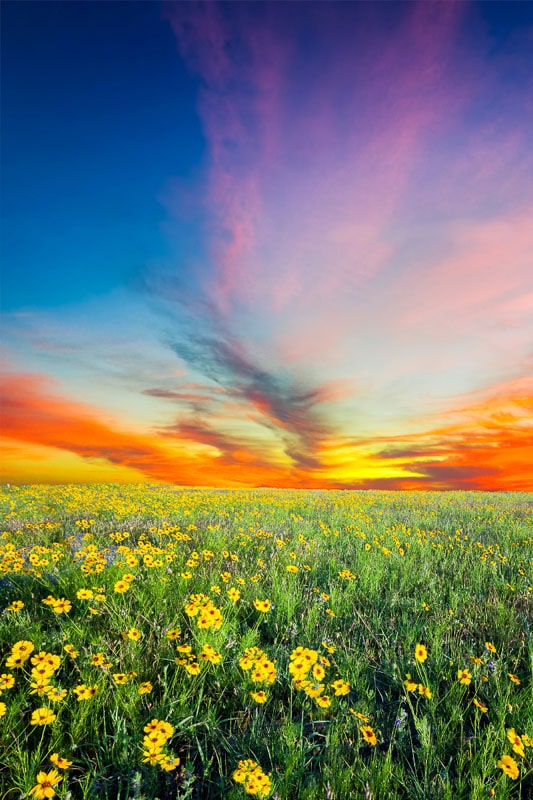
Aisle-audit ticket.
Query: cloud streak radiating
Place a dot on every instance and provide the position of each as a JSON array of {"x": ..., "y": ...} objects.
[{"x": 348, "y": 297}]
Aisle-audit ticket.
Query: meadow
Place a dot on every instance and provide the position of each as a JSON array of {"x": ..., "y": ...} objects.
[{"x": 158, "y": 642}]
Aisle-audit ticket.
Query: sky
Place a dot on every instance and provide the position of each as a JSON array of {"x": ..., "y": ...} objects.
[{"x": 268, "y": 244}]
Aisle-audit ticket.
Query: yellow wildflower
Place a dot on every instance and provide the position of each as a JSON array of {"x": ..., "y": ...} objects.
[
  {"x": 421, "y": 653},
  {"x": 509, "y": 766},
  {"x": 45, "y": 784}
]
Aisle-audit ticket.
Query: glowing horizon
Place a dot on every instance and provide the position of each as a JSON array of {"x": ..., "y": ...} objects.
[{"x": 336, "y": 284}]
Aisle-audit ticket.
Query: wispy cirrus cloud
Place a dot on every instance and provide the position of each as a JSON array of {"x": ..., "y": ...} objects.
[
  {"x": 274, "y": 399},
  {"x": 306, "y": 167},
  {"x": 315, "y": 177}
]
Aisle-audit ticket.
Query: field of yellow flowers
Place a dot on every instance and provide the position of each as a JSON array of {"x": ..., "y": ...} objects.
[{"x": 158, "y": 642}]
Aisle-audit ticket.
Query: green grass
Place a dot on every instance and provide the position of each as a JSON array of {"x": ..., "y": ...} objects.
[{"x": 466, "y": 556}]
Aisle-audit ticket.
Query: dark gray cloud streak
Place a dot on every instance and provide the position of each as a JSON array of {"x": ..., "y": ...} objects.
[{"x": 278, "y": 401}]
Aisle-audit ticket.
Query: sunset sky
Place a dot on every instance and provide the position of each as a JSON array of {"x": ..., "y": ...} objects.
[{"x": 268, "y": 244}]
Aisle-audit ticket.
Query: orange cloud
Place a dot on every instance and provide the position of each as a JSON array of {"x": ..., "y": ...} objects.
[
  {"x": 484, "y": 442},
  {"x": 23, "y": 463},
  {"x": 33, "y": 415}
]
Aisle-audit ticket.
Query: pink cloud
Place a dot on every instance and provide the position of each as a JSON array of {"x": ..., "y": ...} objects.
[
  {"x": 306, "y": 167},
  {"x": 488, "y": 269}
]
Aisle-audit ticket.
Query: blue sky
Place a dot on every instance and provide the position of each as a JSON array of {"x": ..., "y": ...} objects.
[{"x": 98, "y": 120}]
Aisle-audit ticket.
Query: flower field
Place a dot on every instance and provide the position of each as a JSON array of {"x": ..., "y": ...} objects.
[{"x": 158, "y": 642}]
